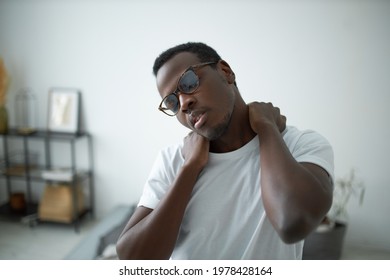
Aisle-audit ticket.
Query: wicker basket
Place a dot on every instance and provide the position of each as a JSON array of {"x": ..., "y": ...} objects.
[{"x": 57, "y": 203}]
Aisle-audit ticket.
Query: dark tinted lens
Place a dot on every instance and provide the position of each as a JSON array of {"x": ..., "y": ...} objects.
[
  {"x": 172, "y": 103},
  {"x": 189, "y": 82}
]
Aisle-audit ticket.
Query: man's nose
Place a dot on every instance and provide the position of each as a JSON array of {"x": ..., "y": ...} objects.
[{"x": 187, "y": 101}]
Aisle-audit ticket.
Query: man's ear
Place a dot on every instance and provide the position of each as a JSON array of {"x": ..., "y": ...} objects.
[{"x": 227, "y": 71}]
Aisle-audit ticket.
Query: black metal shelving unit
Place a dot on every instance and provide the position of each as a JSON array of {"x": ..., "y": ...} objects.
[{"x": 31, "y": 174}]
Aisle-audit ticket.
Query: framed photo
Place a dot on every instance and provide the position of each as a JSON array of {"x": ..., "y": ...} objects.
[{"x": 64, "y": 110}]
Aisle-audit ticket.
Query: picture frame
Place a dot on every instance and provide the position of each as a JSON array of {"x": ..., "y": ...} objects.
[{"x": 64, "y": 110}]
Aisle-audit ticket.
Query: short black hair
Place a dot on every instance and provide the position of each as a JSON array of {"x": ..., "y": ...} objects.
[{"x": 204, "y": 52}]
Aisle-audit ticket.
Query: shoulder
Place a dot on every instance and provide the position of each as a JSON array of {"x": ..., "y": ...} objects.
[
  {"x": 172, "y": 151},
  {"x": 293, "y": 136},
  {"x": 170, "y": 156},
  {"x": 310, "y": 146}
]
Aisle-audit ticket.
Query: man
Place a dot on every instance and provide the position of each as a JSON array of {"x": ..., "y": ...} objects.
[{"x": 241, "y": 186}]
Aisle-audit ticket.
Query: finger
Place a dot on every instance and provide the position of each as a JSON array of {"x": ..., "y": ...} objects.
[{"x": 283, "y": 123}]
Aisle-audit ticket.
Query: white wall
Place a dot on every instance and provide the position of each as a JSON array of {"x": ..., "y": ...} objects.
[{"x": 326, "y": 64}]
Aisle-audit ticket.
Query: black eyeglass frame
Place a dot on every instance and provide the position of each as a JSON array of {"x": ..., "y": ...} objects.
[{"x": 178, "y": 91}]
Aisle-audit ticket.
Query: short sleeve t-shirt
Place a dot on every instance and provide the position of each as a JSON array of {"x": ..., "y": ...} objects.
[{"x": 225, "y": 217}]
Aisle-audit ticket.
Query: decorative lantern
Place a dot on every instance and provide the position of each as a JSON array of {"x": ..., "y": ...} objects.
[{"x": 26, "y": 111}]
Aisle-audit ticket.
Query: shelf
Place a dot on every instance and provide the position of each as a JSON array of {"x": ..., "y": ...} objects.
[
  {"x": 27, "y": 170},
  {"x": 82, "y": 213},
  {"x": 35, "y": 174},
  {"x": 5, "y": 209},
  {"x": 42, "y": 134},
  {"x": 30, "y": 214}
]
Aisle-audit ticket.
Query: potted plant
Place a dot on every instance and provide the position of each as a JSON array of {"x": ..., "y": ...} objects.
[{"x": 326, "y": 242}]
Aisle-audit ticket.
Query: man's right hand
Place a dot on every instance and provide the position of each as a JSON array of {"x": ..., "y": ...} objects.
[
  {"x": 152, "y": 233},
  {"x": 196, "y": 150}
]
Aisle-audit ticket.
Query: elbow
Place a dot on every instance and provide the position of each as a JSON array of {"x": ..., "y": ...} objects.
[
  {"x": 121, "y": 250},
  {"x": 291, "y": 235},
  {"x": 126, "y": 250},
  {"x": 129, "y": 249},
  {"x": 296, "y": 229},
  {"x": 294, "y": 225}
]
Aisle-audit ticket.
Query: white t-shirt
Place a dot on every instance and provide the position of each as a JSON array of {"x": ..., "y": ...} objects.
[{"x": 225, "y": 217}]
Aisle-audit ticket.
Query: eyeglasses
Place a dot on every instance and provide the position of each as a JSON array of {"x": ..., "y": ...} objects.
[{"x": 188, "y": 83}]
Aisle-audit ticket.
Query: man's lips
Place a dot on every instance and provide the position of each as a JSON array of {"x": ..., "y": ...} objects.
[{"x": 197, "y": 119}]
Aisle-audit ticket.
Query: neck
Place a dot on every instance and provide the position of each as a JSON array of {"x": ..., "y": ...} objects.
[{"x": 238, "y": 133}]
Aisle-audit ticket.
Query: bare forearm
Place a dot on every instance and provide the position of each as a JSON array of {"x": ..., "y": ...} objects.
[
  {"x": 155, "y": 235},
  {"x": 294, "y": 199}
]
